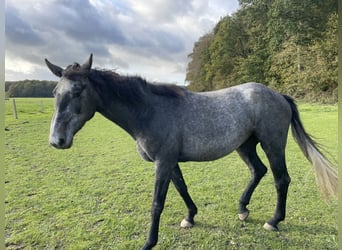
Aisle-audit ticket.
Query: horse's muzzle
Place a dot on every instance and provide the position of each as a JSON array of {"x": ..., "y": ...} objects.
[{"x": 60, "y": 142}]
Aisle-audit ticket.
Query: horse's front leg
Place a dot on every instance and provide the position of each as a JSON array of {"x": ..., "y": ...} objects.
[{"x": 162, "y": 181}]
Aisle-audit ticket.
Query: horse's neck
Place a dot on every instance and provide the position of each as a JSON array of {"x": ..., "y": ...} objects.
[{"x": 128, "y": 117}]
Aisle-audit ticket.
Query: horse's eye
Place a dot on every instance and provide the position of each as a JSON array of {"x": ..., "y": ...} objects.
[{"x": 77, "y": 90}]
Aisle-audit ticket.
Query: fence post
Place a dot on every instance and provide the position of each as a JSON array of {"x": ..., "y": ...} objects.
[
  {"x": 41, "y": 106},
  {"x": 15, "y": 109}
]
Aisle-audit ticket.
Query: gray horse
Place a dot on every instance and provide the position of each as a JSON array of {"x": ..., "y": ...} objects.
[{"x": 171, "y": 124}]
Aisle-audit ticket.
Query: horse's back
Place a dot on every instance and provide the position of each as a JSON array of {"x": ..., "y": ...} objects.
[{"x": 215, "y": 123}]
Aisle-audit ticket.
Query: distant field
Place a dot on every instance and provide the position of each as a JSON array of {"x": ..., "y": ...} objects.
[{"x": 98, "y": 194}]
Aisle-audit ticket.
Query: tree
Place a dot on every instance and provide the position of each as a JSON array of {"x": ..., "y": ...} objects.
[
  {"x": 30, "y": 88},
  {"x": 288, "y": 44},
  {"x": 197, "y": 67}
]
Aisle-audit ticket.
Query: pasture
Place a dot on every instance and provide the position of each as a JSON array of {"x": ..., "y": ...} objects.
[{"x": 98, "y": 194}]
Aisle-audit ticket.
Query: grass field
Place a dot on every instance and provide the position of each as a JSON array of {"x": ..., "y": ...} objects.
[{"x": 97, "y": 195}]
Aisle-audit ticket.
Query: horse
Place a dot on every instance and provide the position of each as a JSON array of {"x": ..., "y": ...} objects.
[{"x": 171, "y": 124}]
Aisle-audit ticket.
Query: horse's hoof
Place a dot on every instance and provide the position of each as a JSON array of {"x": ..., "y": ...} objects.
[
  {"x": 269, "y": 227},
  {"x": 243, "y": 216},
  {"x": 186, "y": 224}
]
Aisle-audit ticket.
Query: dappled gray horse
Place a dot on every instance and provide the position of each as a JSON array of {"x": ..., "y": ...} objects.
[{"x": 171, "y": 124}]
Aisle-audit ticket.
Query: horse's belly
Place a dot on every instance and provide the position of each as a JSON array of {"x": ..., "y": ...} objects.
[
  {"x": 200, "y": 149},
  {"x": 199, "y": 154}
]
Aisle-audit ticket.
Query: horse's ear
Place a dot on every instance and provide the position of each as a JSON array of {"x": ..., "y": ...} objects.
[
  {"x": 87, "y": 64},
  {"x": 54, "y": 68}
]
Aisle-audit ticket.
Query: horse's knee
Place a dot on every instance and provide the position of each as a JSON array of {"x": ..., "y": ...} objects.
[
  {"x": 283, "y": 182},
  {"x": 157, "y": 208}
]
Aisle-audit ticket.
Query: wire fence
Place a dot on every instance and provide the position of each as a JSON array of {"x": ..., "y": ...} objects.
[{"x": 18, "y": 106}]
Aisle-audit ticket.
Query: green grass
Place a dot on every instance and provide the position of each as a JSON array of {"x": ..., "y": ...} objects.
[{"x": 97, "y": 195}]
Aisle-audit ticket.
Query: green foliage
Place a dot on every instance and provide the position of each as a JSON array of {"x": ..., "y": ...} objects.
[
  {"x": 198, "y": 67},
  {"x": 29, "y": 88},
  {"x": 97, "y": 195},
  {"x": 287, "y": 44},
  {"x": 308, "y": 72}
]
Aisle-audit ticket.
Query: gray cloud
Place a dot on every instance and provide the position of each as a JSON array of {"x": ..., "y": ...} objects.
[
  {"x": 122, "y": 34},
  {"x": 80, "y": 20},
  {"x": 18, "y": 31},
  {"x": 163, "y": 11}
]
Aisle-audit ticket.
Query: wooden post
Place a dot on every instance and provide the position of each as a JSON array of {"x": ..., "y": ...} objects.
[
  {"x": 41, "y": 106},
  {"x": 15, "y": 109}
]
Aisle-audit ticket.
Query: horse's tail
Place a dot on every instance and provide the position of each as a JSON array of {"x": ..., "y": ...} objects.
[{"x": 326, "y": 174}]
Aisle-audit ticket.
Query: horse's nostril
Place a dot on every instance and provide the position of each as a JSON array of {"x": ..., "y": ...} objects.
[{"x": 61, "y": 141}]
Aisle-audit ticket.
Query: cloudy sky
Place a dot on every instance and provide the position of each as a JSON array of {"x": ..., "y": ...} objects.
[{"x": 148, "y": 38}]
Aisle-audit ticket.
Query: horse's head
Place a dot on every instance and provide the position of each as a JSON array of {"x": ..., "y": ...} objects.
[{"x": 75, "y": 102}]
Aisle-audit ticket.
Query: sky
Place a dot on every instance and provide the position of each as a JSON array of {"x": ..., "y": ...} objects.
[{"x": 150, "y": 38}]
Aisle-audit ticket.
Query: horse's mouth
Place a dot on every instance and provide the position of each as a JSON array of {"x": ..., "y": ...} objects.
[
  {"x": 60, "y": 142},
  {"x": 58, "y": 146}
]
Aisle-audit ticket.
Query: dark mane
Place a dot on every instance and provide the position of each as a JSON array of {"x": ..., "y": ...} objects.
[
  {"x": 131, "y": 88},
  {"x": 169, "y": 90}
]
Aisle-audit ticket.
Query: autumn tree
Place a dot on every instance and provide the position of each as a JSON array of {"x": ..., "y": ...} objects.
[{"x": 287, "y": 44}]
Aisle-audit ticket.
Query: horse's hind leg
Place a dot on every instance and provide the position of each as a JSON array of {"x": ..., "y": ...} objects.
[
  {"x": 247, "y": 152},
  {"x": 276, "y": 156},
  {"x": 178, "y": 181}
]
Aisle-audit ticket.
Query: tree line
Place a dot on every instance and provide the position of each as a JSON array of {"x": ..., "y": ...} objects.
[
  {"x": 288, "y": 45},
  {"x": 29, "y": 88}
]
